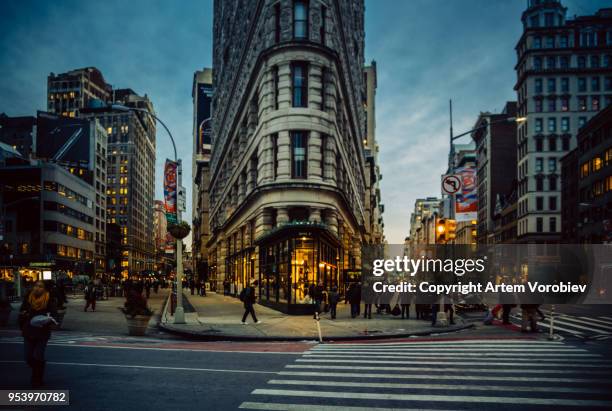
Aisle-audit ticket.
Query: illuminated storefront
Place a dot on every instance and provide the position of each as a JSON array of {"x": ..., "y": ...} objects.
[{"x": 291, "y": 260}]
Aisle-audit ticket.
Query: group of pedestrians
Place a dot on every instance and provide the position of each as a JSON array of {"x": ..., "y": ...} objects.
[{"x": 530, "y": 315}]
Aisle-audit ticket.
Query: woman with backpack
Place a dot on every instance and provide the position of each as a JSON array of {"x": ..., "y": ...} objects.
[{"x": 38, "y": 312}]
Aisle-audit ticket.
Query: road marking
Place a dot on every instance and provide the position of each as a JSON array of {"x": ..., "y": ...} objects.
[
  {"x": 444, "y": 377},
  {"x": 458, "y": 357},
  {"x": 148, "y": 367},
  {"x": 360, "y": 361},
  {"x": 479, "y": 387},
  {"x": 484, "y": 354},
  {"x": 555, "y": 326},
  {"x": 597, "y": 320},
  {"x": 122, "y": 347},
  {"x": 445, "y": 342},
  {"x": 569, "y": 322},
  {"x": 433, "y": 398},
  {"x": 305, "y": 407},
  {"x": 462, "y": 370},
  {"x": 588, "y": 322},
  {"x": 452, "y": 350}
]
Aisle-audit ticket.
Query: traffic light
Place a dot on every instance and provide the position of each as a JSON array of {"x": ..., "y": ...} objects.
[
  {"x": 445, "y": 230},
  {"x": 440, "y": 231}
]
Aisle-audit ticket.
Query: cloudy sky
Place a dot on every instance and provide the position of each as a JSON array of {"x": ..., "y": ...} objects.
[{"x": 427, "y": 52}]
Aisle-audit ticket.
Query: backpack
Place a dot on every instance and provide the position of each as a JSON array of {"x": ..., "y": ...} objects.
[{"x": 242, "y": 295}]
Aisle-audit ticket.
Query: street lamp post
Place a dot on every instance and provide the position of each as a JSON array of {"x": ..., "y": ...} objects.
[
  {"x": 201, "y": 147},
  {"x": 179, "y": 313}
]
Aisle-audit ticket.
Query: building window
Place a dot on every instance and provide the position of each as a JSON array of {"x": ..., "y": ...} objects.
[
  {"x": 539, "y": 225},
  {"x": 582, "y": 103},
  {"x": 549, "y": 19},
  {"x": 538, "y": 125},
  {"x": 537, "y": 63},
  {"x": 538, "y": 105},
  {"x": 552, "y": 85},
  {"x": 588, "y": 38},
  {"x": 552, "y": 183},
  {"x": 552, "y": 225},
  {"x": 552, "y": 125},
  {"x": 539, "y": 144},
  {"x": 607, "y": 61},
  {"x": 552, "y": 203},
  {"x": 300, "y": 19},
  {"x": 323, "y": 24},
  {"x": 564, "y": 103},
  {"x": 298, "y": 153},
  {"x": 539, "y": 183},
  {"x": 552, "y": 165},
  {"x": 277, "y": 22},
  {"x": 534, "y": 21},
  {"x": 595, "y": 103},
  {"x": 581, "y": 62},
  {"x": 564, "y": 85},
  {"x": 537, "y": 42},
  {"x": 563, "y": 41},
  {"x": 582, "y": 84},
  {"x": 551, "y": 62},
  {"x": 565, "y": 124},
  {"x": 552, "y": 105},
  {"x": 552, "y": 144},
  {"x": 275, "y": 155},
  {"x": 594, "y": 61},
  {"x": 538, "y": 85},
  {"x": 595, "y": 84},
  {"x": 550, "y": 42},
  {"x": 581, "y": 121},
  {"x": 275, "y": 85},
  {"x": 539, "y": 165},
  {"x": 299, "y": 76},
  {"x": 539, "y": 203},
  {"x": 564, "y": 62},
  {"x": 608, "y": 84},
  {"x": 323, "y": 145},
  {"x": 323, "y": 88}
]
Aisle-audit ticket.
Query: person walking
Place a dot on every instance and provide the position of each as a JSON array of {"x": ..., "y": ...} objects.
[
  {"x": 529, "y": 318},
  {"x": 90, "y": 296},
  {"x": 354, "y": 298},
  {"x": 333, "y": 297},
  {"x": 248, "y": 298},
  {"x": 317, "y": 298},
  {"x": 38, "y": 311}
]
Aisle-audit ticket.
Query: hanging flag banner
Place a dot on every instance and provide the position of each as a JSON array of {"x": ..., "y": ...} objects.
[
  {"x": 466, "y": 199},
  {"x": 170, "y": 188}
]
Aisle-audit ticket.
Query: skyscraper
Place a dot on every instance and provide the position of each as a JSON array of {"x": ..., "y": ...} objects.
[
  {"x": 564, "y": 77},
  {"x": 130, "y": 156},
  {"x": 288, "y": 159},
  {"x": 202, "y": 99}
]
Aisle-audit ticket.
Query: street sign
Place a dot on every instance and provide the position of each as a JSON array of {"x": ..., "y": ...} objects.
[
  {"x": 451, "y": 184},
  {"x": 182, "y": 199}
]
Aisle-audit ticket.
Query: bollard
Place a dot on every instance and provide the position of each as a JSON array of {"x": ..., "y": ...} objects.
[{"x": 318, "y": 319}]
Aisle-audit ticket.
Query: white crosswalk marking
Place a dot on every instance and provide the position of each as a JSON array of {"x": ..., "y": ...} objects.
[
  {"x": 438, "y": 375},
  {"x": 579, "y": 326}
]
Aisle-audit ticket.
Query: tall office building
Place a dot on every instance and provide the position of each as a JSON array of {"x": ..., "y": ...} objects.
[
  {"x": 288, "y": 160},
  {"x": 564, "y": 77},
  {"x": 202, "y": 99},
  {"x": 130, "y": 156},
  {"x": 373, "y": 207}
]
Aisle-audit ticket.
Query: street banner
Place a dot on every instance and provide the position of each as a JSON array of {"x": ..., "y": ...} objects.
[
  {"x": 170, "y": 188},
  {"x": 466, "y": 199}
]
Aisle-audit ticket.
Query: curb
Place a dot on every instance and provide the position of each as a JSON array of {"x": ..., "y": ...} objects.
[{"x": 201, "y": 336}]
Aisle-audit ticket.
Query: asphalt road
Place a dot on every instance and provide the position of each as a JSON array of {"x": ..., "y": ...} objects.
[{"x": 478, "y": 370}]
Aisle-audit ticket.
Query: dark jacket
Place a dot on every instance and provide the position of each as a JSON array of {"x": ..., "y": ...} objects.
[
  {"x": 26, "y": 313},
  {"x": 333, "y": 297},
  {"x": 354, "y": 295},
  {"x": 318, "y": 293},
  {"x": 249, "y": 295}
]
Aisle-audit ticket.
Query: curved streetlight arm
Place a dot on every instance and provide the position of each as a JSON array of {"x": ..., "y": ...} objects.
[
  {"x": 121, "y": 107},
  {"x": 487, "y": 124}
]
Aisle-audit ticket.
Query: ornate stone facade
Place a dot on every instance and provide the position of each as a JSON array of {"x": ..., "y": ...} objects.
[{"x": 284, "y": 158}]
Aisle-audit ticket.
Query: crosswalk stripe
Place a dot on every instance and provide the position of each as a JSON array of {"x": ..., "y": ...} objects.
[
  {"x": 445, "y": 377},
  {"x": 488, "y": 354},
  {"x": 471, "y": 362},
  {"x": 447, "y": 342},
  {"x": 434, "y": 398},
  {"x": 588, "y": 322},
  {"x": 607, "y": 318},
  {"x": 455, "y": 350},
  {"x": 460, "y": 387},
  {"x": 597, "y": 320},
  {"x": 459, "y": 357},
  {"x": 249, "y": 405},
  {"x": 437, "y": 369},
  {"x": 555, "y": 327}
]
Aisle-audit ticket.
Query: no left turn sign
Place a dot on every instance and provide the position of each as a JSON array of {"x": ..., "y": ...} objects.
[{"x": 451, "y": 184}]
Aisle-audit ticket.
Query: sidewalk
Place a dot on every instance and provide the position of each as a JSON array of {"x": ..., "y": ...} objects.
[
  {"x": 106, "y": 320},
  {"x": 218, "y": 317}
]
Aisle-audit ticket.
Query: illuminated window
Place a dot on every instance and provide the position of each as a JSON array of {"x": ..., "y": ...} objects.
[{"x": 597, "y": 163}]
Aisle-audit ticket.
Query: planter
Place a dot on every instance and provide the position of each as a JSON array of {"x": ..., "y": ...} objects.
[
  {"x": 179, "y": 231},
  {"x": 137, "y": 325},
  {"x": 4, "y": 317}
]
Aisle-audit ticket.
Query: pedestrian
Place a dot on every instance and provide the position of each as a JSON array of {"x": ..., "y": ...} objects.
[
  {"x": 528, "y": 318},
  {"x": 248, "y": 298},
  {"x": 90, "y": 296},
  {"x": 506, "y": 311},
  {"x": 37, "y": 313},
  {"x": 333, "y": 297},
  {"x": 405, "y": 306},
  {"x": 354, "y": 298},
  {"x": 148, "y": 289},
  {"x": 317, "y": 298}
]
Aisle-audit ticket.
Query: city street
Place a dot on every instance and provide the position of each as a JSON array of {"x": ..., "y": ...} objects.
[{"x": 478, "y": 369}]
